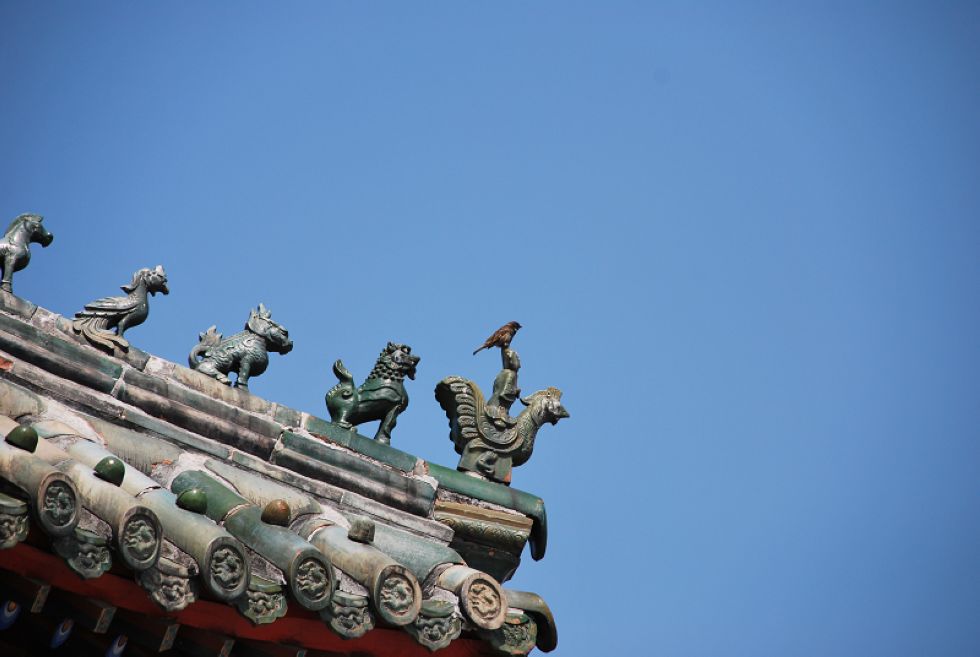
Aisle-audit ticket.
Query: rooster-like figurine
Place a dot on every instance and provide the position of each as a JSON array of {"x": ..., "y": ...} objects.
[
  {"x": 489, "y": 440},
  {"x": 102, "y": 315}
]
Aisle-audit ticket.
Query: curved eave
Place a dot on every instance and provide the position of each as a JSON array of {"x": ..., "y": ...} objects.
[
  {"x": 297, "y": 627},
  {"x": 534, "y": 606},
  {"x": 511, "y": 498}
]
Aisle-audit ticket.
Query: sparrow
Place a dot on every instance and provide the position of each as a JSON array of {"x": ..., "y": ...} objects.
[{"x": 501, "y": 337}]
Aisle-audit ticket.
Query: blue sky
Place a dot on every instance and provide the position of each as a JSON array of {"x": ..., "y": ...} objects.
[{"x": 742, "y": 238}]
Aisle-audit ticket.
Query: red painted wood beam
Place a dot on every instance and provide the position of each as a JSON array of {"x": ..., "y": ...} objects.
[{"x": 298, "y": 627}]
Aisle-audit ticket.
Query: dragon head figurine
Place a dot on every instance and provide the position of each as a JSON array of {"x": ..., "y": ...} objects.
[
  {"x": 245, "y": 353},
  {"x": 276, "y": 337}
]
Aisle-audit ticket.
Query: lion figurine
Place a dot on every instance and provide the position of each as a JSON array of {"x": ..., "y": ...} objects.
[{"x": 382, "y": 396}]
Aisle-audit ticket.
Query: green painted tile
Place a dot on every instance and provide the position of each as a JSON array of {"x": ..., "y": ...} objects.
[
  {"x": 362, "y": 444},
  {"x": 511, "y": 498}
]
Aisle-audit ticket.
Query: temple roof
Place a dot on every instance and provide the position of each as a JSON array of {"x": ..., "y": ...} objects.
[{"x": 211, "y": 520}]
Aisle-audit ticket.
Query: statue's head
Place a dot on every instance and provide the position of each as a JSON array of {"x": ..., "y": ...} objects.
[
  {"x": 36, "y": 231},
  {"x": 399, "y": 358},
  {"x": 155, "y": 281},
  {"x": 546, "y": 406},
  {"x": 276, "y": 336},
  {"x": 511, "y": 360}
]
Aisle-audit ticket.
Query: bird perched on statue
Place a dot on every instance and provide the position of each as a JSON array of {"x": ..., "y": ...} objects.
[{"x": 501, "y": 337}]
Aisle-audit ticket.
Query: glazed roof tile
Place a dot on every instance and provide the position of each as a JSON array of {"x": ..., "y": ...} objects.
[{"x": 359, "y": 542}]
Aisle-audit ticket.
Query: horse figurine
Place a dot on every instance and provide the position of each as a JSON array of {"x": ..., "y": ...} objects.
[{"x": 15, "y": 250}]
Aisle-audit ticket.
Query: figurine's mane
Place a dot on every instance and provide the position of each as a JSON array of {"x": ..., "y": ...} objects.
[
  {"x": 138, "y": 277},
  {"x": 385, "y": 367},
  {"x": 541, "y": 395},
  {"x": 19, "y": 219}
]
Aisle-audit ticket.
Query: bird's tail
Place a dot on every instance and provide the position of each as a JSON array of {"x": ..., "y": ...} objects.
[
  {"x": 94, "y": 330},
  {"x": 463, "y": 403}
]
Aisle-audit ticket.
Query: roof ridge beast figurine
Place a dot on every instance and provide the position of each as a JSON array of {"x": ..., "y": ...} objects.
[
  {"x": 246, "y": 353},
  {"x": 15, "y": 247},
  {"x": 490, "y": 441},
  {"x": 100, "y": 316},
  {"x": 382, "y": 396}
]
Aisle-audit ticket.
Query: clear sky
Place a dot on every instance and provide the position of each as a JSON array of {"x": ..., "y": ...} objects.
[{"x": 742, "y": 238}]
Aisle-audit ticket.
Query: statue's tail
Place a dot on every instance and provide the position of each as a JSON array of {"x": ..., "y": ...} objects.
[
  {"x": 462, "y": 401},
  {"x": 95, "y": 331},
  {"x": 208, "y": 339},
  {"x": 343, "y": 376},
  {"x": 342, "y": 397},
  {"x": 344, "y": 389}
]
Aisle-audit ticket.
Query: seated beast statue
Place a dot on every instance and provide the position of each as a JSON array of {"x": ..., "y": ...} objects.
[
  {"x": 382, "y": 396},
  {"x": 245, "y": 353}
]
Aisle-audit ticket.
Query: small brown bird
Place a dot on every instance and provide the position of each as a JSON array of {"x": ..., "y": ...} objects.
[{"x": 501, "y": 337}]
